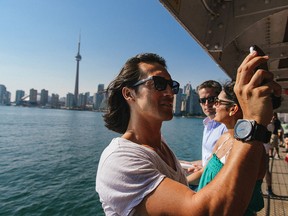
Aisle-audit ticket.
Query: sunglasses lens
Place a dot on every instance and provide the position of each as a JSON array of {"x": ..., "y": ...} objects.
[
  {"x": 160, "y": 83},
  {"x": 209, "y": 99}
]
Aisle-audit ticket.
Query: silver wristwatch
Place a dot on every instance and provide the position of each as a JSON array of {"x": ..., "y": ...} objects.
[{"x": 246, "y": 130}]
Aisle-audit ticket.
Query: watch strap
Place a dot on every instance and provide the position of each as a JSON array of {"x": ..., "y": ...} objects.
[{"x": 261, "y": 133}]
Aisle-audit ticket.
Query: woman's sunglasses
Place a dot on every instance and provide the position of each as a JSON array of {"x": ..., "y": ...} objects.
[
  {"x": 160, "y": 83},
  {"x": 223, "y": 102}
]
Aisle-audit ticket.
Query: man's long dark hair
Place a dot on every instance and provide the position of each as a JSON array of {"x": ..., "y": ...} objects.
[{"x": 118, "y": 114}]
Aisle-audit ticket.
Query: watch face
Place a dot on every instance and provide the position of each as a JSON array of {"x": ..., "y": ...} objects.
[{"x": 243, "y": 129}]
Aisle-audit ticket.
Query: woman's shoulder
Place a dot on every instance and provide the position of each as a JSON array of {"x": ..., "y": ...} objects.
[
  {"x": 221, "y": 139},
  {"x": 226, "y": 135}
]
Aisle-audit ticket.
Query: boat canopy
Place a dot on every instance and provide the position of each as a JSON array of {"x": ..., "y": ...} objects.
[{"x": 226, "y": 29}]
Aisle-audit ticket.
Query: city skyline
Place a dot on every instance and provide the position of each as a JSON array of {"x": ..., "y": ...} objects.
[
  {"x": 26, "y": 92},
  {"x": 40, "y": 52},
  {"x": 186, "y": 101}
]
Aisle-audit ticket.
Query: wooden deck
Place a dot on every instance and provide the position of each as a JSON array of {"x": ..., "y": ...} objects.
[{"x": 277, "y": 205}]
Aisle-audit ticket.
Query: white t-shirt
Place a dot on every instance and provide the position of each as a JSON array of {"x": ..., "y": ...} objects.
[{"x": 128, "y": 172}]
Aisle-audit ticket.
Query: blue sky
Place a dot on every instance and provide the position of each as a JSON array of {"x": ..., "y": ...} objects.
[{"x": 39, "y": 40}]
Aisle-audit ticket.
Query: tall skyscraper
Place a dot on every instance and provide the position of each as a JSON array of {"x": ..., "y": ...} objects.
[
  {"x": 3, "y": 94},
  {"x": 55, "y": 101},
  {"x": 177, "y": 103},
  {"x": 76, "y": 90},
  {"x": 33, "y": 97},
  {"x": 98, "y": 97},
  {"x": 19, "y": 95},
  {"x": 100, "y": 88},
  {"x": 69, "y": 101},
  {"x": 44, "y": 97}
]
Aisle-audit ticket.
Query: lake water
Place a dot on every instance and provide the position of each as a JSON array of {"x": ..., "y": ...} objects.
[{"x": 49, "y": 158}]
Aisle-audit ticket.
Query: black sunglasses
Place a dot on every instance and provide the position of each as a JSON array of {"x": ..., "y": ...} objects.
[
  {"x": 209, "y": 99},
  {"x": 160, "y": 83}
]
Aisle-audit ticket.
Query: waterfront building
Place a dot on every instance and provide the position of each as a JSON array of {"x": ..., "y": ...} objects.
[
  {"x": 196, "y": 108},
  {"x": 97, "y": 100},
  {"x": 184, "y": 99},
  {"x": 69, "y": 102},
  {"x": 8, "y": 98},
  {"x": 44, "y": 97},
  {"x": 177, "y": 102},
  {"x": 190, "y": 101},
  {"x": 54, "y": 102},
  {"x": 87, "y": 97},
  {"x": 89, "y": 100},
  {"x": 18, "y": 98},
  {"x": 103, "y": 105},
  {"x": 189, "y": 105},
  {"x": 100, "y": 88},
  {"x": 82, "y": 100},
  {"x": 33, "y": 97},
  {"x": 99, "y": 97},
  {"x": 4, "y": 95},
  {"x": 186, "y": 102}
]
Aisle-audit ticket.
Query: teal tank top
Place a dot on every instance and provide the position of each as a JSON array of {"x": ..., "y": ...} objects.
[{"x": 213, "y": 167}]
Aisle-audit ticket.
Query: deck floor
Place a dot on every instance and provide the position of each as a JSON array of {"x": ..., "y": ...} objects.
[{"x": 277, "y": 205}]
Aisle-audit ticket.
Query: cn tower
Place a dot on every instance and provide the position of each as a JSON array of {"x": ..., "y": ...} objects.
[{"x": 78, "y": 59}]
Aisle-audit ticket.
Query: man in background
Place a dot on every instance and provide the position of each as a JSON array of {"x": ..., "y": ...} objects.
[
  {"x": 274, "y": 137},
  {"x": 268, "y": 174},
  {"x": 208, "y": 91}
]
